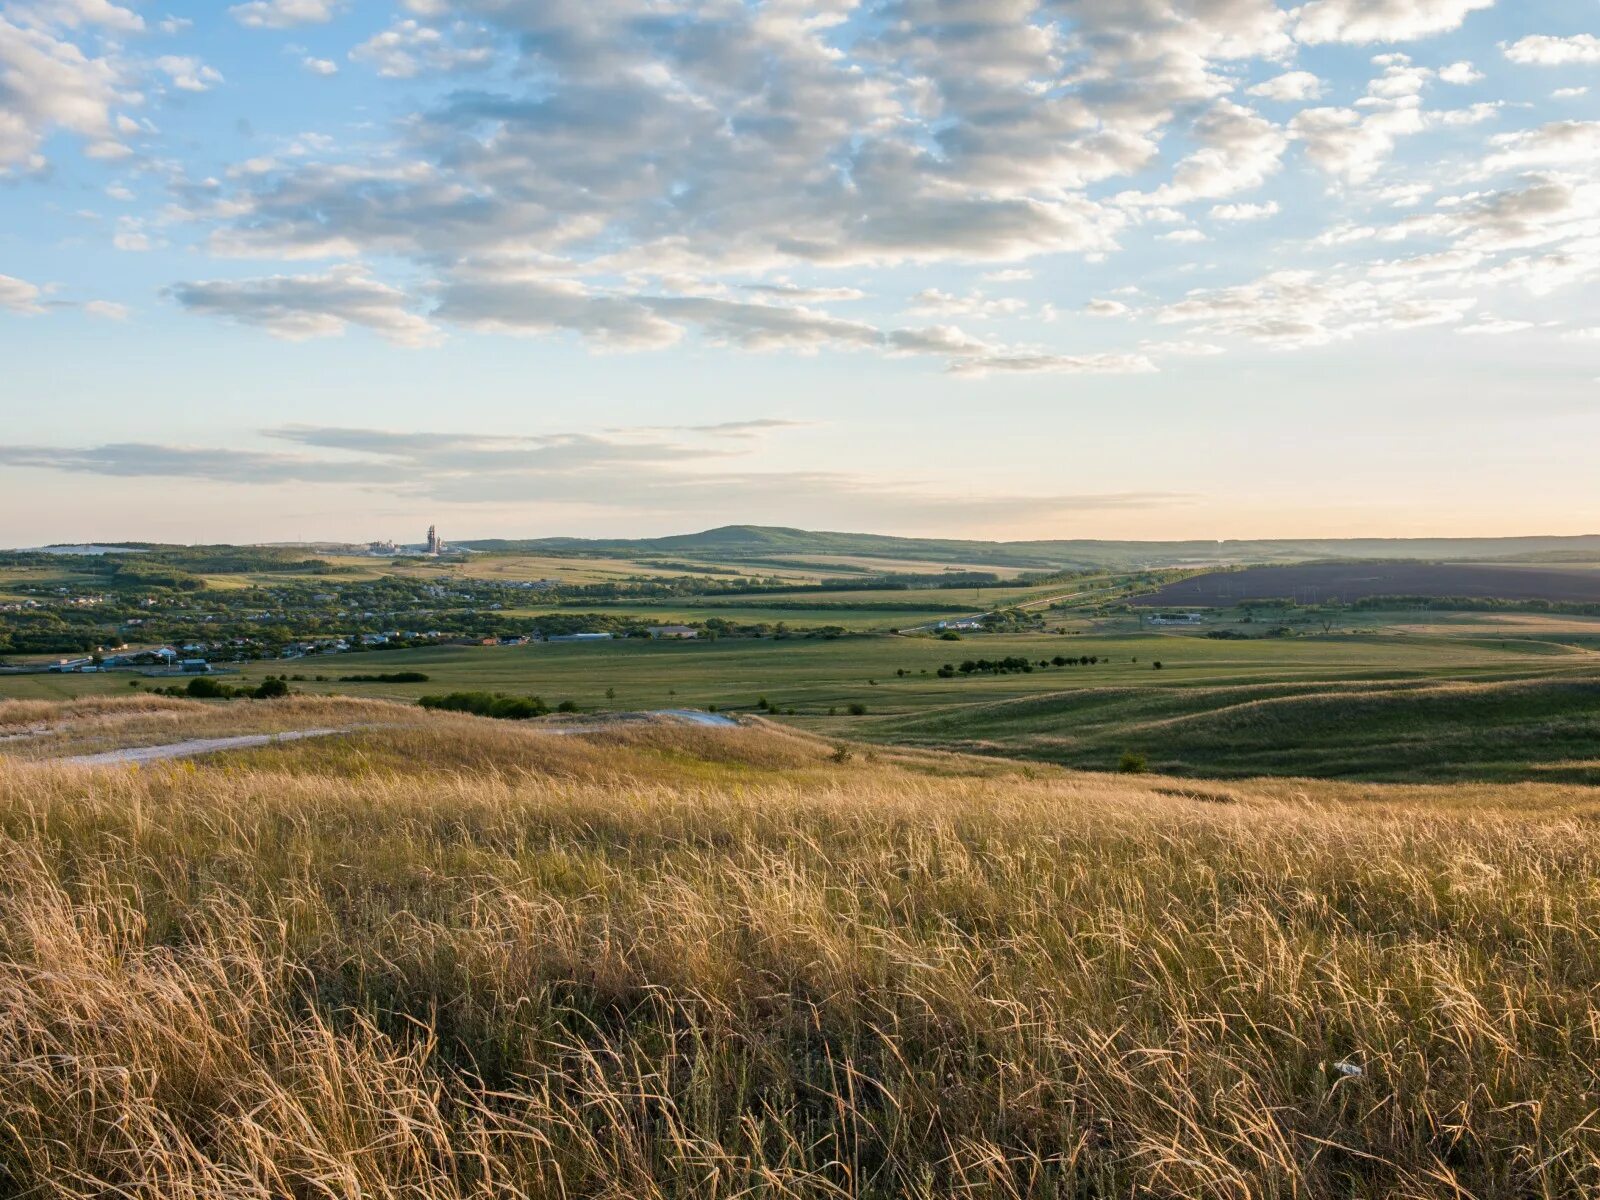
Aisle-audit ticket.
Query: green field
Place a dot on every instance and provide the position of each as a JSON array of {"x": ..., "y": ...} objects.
[{"x": 1403, "y": 696}]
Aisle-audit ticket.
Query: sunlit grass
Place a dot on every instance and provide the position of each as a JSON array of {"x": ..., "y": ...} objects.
[{"x": 464, "y": 959}]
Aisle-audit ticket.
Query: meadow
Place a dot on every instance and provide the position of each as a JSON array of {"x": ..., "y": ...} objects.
[
  {"x": 452, "y": 957},
  {"x": 1374, "y": 702}
]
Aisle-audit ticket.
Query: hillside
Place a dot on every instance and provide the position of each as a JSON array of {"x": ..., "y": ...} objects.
[
  {"x": 741, "y": 542},
  {"x": 446, "y": 957},
  {"x": 1384, "y": 730}
]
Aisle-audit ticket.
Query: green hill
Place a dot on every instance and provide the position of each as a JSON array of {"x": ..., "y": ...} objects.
[{"x": 759, "y": 542}]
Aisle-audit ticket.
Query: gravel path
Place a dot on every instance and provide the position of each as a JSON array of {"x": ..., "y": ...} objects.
[
  {"x": 191, "y": 748},
  {"x": 195, "y": 747}
]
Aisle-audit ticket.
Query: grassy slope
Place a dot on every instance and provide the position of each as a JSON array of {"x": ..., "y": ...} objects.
[
  {"x": 1509, "y": 729},
  {"x": 459, "y": 960}
]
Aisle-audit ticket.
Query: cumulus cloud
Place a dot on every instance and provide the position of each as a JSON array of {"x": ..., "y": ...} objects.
[
  {"x": 19, "y": 296},
  {"x": 1382, "y": 20},
  {"x": 285, "y": 14},
  {"x": 1289, "y": 87},
  {"x": 298, "y": 307},
  {"x": 1305, "y": 308},
  {"x": 410, "y": 48},
  {"x": 48, "y": 83},
  {"x": 1239, "y": 150},
  {"x": 1245, "y": 212},
  {"x": 1541, "y": 50}
]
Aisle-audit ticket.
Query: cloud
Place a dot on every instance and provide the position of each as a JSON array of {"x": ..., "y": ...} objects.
[
  {"x": 107, "y": 310},
  {"x": 48, "y": 83},
  {"x": 1557, "y": 143},
  {"x": 73, "y": 14},
  {"x": 298, "y": 307},
  {"x": 319, "y": 66},
  {"x": 1289, "y": 87},
  {"x": 1018, "y": 363},
  {"x": 1245, "y": 212},
  {"x": 1362, "y": 21},
  {"x": 19, "y": 296},
  {"x": 1305, "y": 308},
  {"x": 409, "y": 49},
  {"x": 933, "y": 302},
  {"x": 188, "y": 74},
  {"x": 285, "y": 14},
  {"x": 1540, "y": 50},
  {"x": 1493, "y": 327},
  {"x": 1239, "y": 150},
  {"x": 626, "y": 471},
  {"x": 1460, "y": 74}
]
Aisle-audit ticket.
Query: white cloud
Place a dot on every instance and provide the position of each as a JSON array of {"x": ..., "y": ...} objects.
[
  {"x": 1569, "y": 93},
  {"x": 19, "y": 296},
  {"x": 188, "y": 74},
  {"x": 285, "y": 14},
  {"x": 49, "y": 83},
  {"x": 1289, "y": 87},
  {"x": 298, "y": 307},
  {"x": 933, "y": 302},
  {"x": 1100, "y": 307},
  {"x": 1493, "y": 327},
  {"x": 1540, "y": 50},
  {"x": 1362, "y": 21},
  {"x": 108, "y": 310},
  {"x": 1460, "y": 74},
  {"x": 1022, "y": 363},
  {"x": 1239, "y": 150},
  {"x": 319, "y": 66},
  {"x": 1557, "y": 143},
  {"x": 1245, "y": 212},
  {"x": 410, "y": 48},
  {"x": 73, "y": 14}
]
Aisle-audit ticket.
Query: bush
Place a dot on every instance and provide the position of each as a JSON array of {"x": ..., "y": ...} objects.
[
  {"x": 490, "y": 704},
  {"x": 1132, "y": 764},
  {"x": 203, "y": 688},
  {"x": 857, "y": 710},
  {"x": 270, "y": 689},
  {"x": 391, "y": 677}
]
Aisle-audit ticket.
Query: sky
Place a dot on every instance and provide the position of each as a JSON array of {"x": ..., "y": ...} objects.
[{"x": 1154, "y": 269}]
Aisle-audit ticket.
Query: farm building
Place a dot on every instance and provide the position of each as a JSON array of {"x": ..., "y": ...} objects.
[{"x": 674, "y": 631}]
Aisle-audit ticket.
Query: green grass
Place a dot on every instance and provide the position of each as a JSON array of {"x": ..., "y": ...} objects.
[
  {"x": 1086, "y": 716},
  {"x": 1512, "y": 729}
]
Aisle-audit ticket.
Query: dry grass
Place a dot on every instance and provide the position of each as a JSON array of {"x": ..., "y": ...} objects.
[{"x": 461, "y": 960}]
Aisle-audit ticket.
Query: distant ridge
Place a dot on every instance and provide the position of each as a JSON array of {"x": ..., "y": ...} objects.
[{"x": 773, "y": 542}]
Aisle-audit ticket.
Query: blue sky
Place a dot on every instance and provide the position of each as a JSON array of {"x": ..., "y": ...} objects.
[{"x": 1007, "y": 268}]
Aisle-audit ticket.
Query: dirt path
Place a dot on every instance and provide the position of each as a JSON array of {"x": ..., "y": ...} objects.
[{"x": 194, "y": 747}]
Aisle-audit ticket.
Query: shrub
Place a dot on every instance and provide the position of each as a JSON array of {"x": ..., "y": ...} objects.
[
  {"x": 857, "y": 710},
  {"x": 271, "y": 689},
  {"x": 203, "y": 688},
  {"x": 390, "y": 677},
  {"x": 1132, "y": 764},
  {"x": 489, "y": 704}
]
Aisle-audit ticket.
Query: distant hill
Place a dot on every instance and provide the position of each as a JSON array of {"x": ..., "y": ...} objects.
[{"x": 756, "y": 543}]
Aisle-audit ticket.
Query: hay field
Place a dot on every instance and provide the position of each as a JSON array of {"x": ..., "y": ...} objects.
[{"x": 460, "y": 958}]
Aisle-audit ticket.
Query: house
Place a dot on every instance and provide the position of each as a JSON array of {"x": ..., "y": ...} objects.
[
  {"x": 1193, "y": 618},
  {"x": 195, "y": 666},
  {"x": 580, "y": 637},
  {"x": 674, "y": 631}
]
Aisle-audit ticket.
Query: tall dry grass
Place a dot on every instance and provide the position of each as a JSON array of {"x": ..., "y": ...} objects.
[{"x": 460, "y": 960}]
